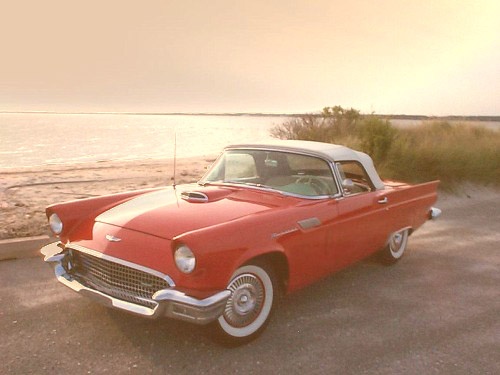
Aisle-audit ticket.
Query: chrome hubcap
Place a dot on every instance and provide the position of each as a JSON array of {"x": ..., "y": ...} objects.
[
  {"x": 397, "y": 239},
  {"x": 397, "y": 244},
  {"x": 246, "y": 300}
]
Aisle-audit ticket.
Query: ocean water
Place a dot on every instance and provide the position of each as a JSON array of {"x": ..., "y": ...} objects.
[
  {"x": 28, "y": 140},
  {"x": 32, "y": 139}
]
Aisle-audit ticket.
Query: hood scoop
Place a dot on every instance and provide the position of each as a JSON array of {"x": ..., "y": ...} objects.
[{"x": 194, "y": 196}]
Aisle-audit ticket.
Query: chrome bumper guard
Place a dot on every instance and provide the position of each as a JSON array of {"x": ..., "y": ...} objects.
[
  {"x": 434, "y": 213},
  {"x": 169, "y": 302}
]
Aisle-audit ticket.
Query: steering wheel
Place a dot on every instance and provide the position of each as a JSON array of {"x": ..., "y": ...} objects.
[{"x": 321, "y": 187}]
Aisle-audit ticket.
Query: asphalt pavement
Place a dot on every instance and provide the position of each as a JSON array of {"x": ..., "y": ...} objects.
[{"x": 437, "y": 311}]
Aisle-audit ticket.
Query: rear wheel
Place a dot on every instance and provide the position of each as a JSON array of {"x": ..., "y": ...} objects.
[
  {"x": 254, "y": 291},
  {"x": 396, "y": 246}
]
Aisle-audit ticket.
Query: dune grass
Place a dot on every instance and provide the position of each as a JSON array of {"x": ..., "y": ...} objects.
[{"x": 454, "y": 153}]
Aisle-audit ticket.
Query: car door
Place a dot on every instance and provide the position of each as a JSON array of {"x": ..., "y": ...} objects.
[
  {"x": 306, "y": 241},
  {"x": 362, "y": 224},
  {"x": 309, "y": 183}
]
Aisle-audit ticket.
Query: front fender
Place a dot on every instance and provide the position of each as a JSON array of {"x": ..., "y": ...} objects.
[
  {"x": 222, "y": 249},
  {"x": 76, "y": 212}
]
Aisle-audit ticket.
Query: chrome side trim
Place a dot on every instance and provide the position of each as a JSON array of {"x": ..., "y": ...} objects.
[
  {"x": 169, "y": 303},
  {"x": 434, "y": 213},
  {"x": 97, "y": 254},
  {"x": 283, "y": 233}
]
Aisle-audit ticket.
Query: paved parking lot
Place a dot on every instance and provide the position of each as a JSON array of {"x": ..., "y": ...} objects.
[{"x": 435, "y": 312}]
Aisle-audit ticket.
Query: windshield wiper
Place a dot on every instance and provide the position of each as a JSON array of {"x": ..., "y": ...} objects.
[
  {"x": 252, "y": 184},
  {"x": 238, "y": 182}
]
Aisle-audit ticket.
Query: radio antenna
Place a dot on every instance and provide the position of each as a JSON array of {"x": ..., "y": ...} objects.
[{"x": 175, "y": 157}]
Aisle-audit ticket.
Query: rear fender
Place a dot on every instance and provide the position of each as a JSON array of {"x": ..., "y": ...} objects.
[{"x": 409, "y": 205}]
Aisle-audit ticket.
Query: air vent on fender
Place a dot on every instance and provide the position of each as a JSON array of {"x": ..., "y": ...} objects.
[{"x": 194, "y": 196}]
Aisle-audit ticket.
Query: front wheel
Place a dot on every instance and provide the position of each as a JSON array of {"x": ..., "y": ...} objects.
[
  {"x": 396, "y": 246},
  {"x": 254, "y": 291}
]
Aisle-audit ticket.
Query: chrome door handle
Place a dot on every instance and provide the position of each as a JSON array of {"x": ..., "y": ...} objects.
[{"x": 383, "y": 200}]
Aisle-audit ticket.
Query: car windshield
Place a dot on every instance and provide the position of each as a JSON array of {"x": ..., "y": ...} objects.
[{"x": 283, "y": 171}]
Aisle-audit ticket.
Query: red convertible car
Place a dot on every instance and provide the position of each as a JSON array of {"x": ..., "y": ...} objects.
[{"x": 265, "y": 220}]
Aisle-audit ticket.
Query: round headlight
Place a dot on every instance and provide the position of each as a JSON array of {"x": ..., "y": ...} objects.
[
  {"x": 184, "y": 259},
  {"x": 56, "y": 224}
]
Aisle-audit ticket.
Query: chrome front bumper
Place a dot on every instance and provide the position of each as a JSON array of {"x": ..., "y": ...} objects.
[{"x": 168, "y": 302}]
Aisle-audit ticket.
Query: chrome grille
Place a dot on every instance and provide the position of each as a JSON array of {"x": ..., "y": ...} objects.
[{"x": 115, "y": 279}]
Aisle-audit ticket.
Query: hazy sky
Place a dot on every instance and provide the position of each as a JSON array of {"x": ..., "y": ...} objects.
[{"x": 432, "y": 57}]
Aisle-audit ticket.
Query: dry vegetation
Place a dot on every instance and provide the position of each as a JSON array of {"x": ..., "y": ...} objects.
[{"x": 454, "y": 153}]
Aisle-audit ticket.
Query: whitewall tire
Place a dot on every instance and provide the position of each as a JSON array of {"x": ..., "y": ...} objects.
[
  {"x": 254, "y": 291},
  {"x": 396, "y": 246}
]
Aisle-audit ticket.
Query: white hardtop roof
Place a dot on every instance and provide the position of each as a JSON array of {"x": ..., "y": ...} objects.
[{"x": 328, "y": 151}]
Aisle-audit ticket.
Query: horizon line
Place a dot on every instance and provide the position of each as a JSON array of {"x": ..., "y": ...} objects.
[{"x": 263, "y": 114}]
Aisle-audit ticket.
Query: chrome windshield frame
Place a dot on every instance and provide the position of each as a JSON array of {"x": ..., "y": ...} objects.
[{"x": 204, "y": 182}]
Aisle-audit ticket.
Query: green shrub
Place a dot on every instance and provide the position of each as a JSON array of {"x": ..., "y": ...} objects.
[
  {"x": 376, "y": 137},
  {"x": 307, "y": 128},
  {"x": 333, "y": 125}
]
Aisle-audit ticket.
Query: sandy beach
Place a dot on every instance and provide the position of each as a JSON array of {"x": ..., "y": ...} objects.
[{"x": 25, "y": 192}]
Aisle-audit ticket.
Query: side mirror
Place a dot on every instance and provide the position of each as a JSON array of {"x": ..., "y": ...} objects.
[
  {"x": 271, "y": 163},
  {"x": 348, "y": 185}
]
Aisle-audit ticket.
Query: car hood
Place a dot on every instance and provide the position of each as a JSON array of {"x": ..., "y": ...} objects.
[{"x": 168, "y": 213}]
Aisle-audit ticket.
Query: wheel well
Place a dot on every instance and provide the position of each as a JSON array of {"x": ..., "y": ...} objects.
[{"x": 279, "y": 263}]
